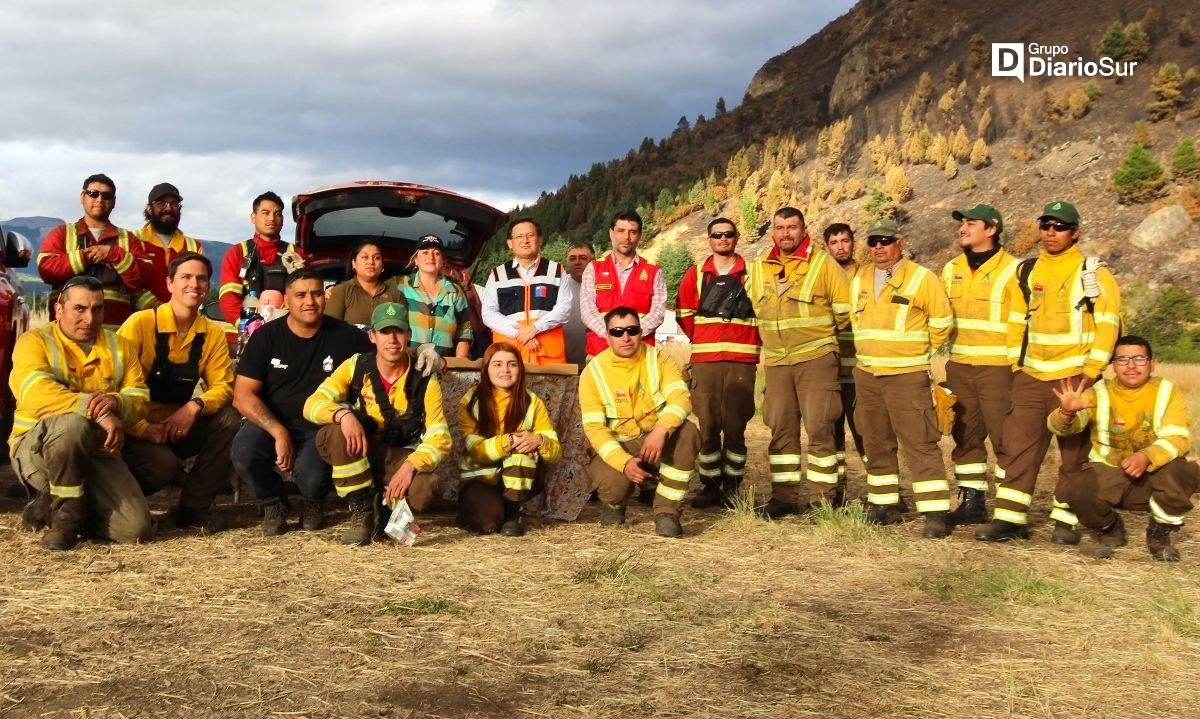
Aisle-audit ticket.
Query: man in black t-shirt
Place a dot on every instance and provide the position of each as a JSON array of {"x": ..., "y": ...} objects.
[{"x": 283, "y": 362}]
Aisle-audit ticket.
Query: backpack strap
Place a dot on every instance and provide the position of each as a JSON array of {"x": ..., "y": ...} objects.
[{"x": 1024, "y": 270}]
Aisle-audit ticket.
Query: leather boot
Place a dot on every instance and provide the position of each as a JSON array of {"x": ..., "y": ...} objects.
[
  {"x": 729, "y": 490},
  {"x": 1001, "y": 531},
  {"x": 512, "y": 526},
  {"x": 204, "y": 519},
  {"x": 972, "y": 507},
  {"x": 778, "y": 509},
  {"x": 667, "y": 525},
  {"x": 710, "y": 494},
  {"x": 612, "y": 515},
  {"x": 66, "y": 522},
  {"x": 274, "y": 519},
  {"x": 1064, "y": 534},
  {"x": 36, "y": 515},
  {"x": 312, "y": 516},
  {"x": 1158, "y": 541},
  {"x": 883, "y": 514},
  {"x": 362, "y": 518},
  {"x": 839, "y": 497},
  {"x": 937, "y": 525},
  {"x": 1114, "y": 534}
]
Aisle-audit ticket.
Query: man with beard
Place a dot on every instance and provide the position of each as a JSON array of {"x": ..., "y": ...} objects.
[
  {"x": 622, "y": 279},
  {"x": 839, "y": 243},
  {"x": 801, "y": 299},
  {"x": 579, "y": 256},
  {"x": 715, "y": 313},
  {"x": 162, "y": 241}
]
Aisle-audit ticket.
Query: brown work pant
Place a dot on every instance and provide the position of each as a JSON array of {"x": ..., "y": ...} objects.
[
  {"x": 897, "y": 411},
  {"x": 839, "y": 430},
  {"x": 352, "y": 473},
  {"x": 1026, "y": 439},
  {"x": 1099, "y": 490},
  {"x": 805, "y": 392},
  {"x": 157, "y": 465},
  {"x": 675, "y": 469},
  {"x": 481, "y": 501},
  {"x": 723, "y": 402},
  {"x": 984, "y": 395},
  {"x": 60, "y": 455}
]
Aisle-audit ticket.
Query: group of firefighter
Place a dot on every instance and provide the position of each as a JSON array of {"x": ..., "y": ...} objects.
[{"x": 105, "y": 417}]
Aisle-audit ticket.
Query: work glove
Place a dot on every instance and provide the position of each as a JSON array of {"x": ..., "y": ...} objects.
[{"x": 428, "y": 360}]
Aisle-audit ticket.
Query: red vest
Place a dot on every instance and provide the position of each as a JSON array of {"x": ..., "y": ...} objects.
[{"x": 637, "y": 294}]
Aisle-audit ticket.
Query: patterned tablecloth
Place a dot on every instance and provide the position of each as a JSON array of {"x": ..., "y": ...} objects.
[{"x": 566, "y": 482}]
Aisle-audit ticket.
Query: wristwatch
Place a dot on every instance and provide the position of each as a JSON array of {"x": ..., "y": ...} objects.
[{"x": 199, "y": 402}]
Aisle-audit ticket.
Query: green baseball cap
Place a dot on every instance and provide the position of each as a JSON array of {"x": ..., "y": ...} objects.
[
  {"x": 390, "y": 314},
  {"x": 1061, "y": 210},
  {"x": 981, "y": 212},
  {"x": 884, "y": 227}
]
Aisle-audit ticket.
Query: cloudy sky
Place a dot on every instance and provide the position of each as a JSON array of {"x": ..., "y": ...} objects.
[{"x": 497, "y": 100}]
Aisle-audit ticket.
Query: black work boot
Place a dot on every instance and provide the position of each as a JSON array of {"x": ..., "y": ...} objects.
[
  {"x": 1114, "y": 534},
  {"x": 839, "y": 497},
  {"x": 312, "y": 516},
  {"x": 362, "y": 518},
  {"x": 710, "y": 494},
  {"x": 66, "y": 522},
  {"x": 274, "y": 521},
  {"x": 729, "y": 490},
  {"x": 204, "y": 519},
  {"x": 1158, "y": 541},
  {"x": 36, "y": 515},
  {"x": 612, "y": 515},
  {"x": 1001, "y": 531},
  {"x": 778, "y": 509},
  {"x": 883, "y": 514},
  {"x": 1064, "y": 534},
  {"x": 972, "y": 507},
  {"x": 512, "y": 526},
  {"x": 667, "y": 525},
  {"x": 937, "y": 525}
]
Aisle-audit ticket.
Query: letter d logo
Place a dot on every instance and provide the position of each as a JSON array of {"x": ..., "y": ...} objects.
[{"x": 1008, "y": 60}]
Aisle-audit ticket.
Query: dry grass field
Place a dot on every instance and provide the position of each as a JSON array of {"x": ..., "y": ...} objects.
[{"x": 817, "y": 617}]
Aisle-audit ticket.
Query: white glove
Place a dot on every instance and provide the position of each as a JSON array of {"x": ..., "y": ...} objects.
[{"x": 428, "y": 360}]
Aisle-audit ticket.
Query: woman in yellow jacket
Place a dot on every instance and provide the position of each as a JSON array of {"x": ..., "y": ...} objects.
[{"x": 509, "y": 442}]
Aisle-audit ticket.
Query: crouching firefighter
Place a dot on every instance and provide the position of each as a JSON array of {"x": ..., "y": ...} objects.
[{"x": 380, "y": 417}]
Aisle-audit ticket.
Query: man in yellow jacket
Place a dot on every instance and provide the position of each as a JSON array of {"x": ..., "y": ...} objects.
[
  {"x": 900, "y": 316},
  {"x": 1066, "y": 329},
  {"x": 801, "y": 299},
  {"x": 380, "y": 417},
  {"x": 634, "y": 404},
  {"x": 981, "y": 284},
  {"x": 1139, "y": 441},
  {"x": 839, "y": 243},
  {"x": 176, "y": 348},
  {"x": 78, "y": 386}
]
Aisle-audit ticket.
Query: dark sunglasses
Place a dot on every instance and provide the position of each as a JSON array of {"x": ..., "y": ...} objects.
[
  {"x": 1057, "y": 225},
  {"x": 728, "y": 234},
  {"x": 168, "y": 204},
  {"x": 632, "y": 330},
  {"x": 87, "y": 281},
  {"x": 103, "y": 194},
  {"x": 884, "y": 241}
]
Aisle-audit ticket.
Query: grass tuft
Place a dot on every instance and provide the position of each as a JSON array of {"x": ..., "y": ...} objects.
[
  {"x": 417, "y": 605},
  {"x": 996, "y": 586},
  {"x": 1177, "y": 610}
]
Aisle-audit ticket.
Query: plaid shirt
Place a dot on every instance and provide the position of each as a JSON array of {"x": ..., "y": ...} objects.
[{"x": 444, "y": 321}]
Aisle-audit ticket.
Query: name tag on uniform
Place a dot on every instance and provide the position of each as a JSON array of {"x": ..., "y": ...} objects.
[
  {"x": 605, "y": 286},
  {"x": 898, "y": 300}
]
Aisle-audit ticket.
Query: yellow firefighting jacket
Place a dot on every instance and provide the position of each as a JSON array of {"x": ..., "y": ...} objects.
[
  {"x": 799, "y": 303},
  {"x": 482, "y": 457},
  {"x": 1064, "y": 338},
  {"x": 623, "y": 399},
  {"x": 216, "y": 369},
  {"x": 845, "y": 336},
  {"x": 1152, "y": 419},
  {"x": 53, "y": 375},
  {"x": 982, "y": 301},
  {"x": 900, "y": 330},
  {"x": 334, "y": 394}
]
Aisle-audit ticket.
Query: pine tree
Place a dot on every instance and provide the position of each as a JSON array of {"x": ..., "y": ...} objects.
[
  {"x": 979, "y": 51},
  {"x": 925, "y": 88},
  {"x": 720, "y": 109},
  {"x": 950, "y": 168},
  {"x": 985, "y": 123},
  {"x": 1078, "y": 103},
  {"x": 1114, "y": 44},
  {"x": 675, "y": 259},
  {"x": 960, "y": 146},
  {"x": 1141, "y": 134},
  {"x": 947, "y": 100},
  {"x": 895, "y": 184},
  {"x": 1185, "y": 162},
  {"x": 979, "y": 154},
  {"x": 1167, "y": 89},
  {"x": 1140, "y": 178}
]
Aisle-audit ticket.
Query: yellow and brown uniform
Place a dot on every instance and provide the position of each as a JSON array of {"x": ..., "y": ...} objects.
[
  {"x": 847, "y": 359},
  {"x": 621, "y": 400},
  {"x": 491, "y": 459},
  {"x": 800, "y": 302},
  {"x": 896, "y": 331}
]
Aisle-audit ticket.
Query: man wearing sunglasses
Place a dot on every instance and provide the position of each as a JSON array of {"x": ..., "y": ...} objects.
[
  {"x": 715, "y": 313},
  {"x": 1063, "y": 324},
  {"x": 95, "y": 247},
  {"x": 162, "y": 241},
  {"x": 981, "y": 284},
  {"x": 78, "y": 387},
  {"x": 901, "y": 317},
  {"x": 1139, "y": 440},
  {"x": 801, "y": 299},
  {"x": 634, "y": 403},
  {"x": 839, "y": 243}
]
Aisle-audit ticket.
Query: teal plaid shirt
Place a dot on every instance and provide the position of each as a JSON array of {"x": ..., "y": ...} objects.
[{"x": 444, "y": 321}]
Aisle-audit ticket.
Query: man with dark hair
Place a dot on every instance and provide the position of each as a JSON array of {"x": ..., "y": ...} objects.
[
  {"x": 77, "y": 387},
  {"x": 162, "y": 240},
  {"x": 579, "y": 255},
  {"x": 1063, "y": 324},
  {"x": 176, "y": 348},
  {"x": 800, "y": 299},
  {"x": 634, "y": 404},
  {"x": 715, "y": 313},
  {"x": 981, "y": 284},
  {"x": 622, "y": 278},
  {"x": 260, "y": 263},
  {"x": 1140, "y": 437},
  {"x": 526, "y": 302},
  {"x": 95, "y": 247},
  {"x": 839, "y": 243}
]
